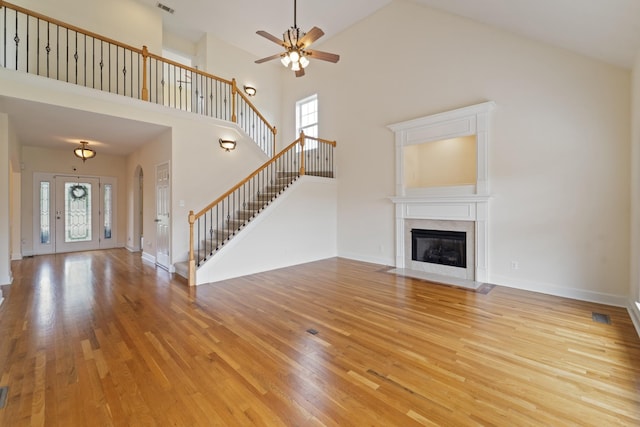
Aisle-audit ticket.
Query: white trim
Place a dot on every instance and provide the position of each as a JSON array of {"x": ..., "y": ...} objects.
[
  {"x": 550, "y": 289},
  {"x": 16, "y": 257},
  {"x": 146, "y": 256}
]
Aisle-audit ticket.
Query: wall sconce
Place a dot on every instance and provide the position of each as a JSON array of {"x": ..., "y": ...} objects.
[
  {"x": 83, "y": 152},
  {"x": 227, "y": 144},
  {"x": 250, "y": 90}
]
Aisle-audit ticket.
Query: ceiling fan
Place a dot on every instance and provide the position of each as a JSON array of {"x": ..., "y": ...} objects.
[{"x": 296, "y": 47}]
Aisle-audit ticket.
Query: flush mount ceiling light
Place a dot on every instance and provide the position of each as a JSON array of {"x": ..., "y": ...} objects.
[
  {"x": 83, "y": 152},
  {"x": 296, "y": 44},
  {"x": 227, "y": 144},
  {"x": 250, "y": 90}
]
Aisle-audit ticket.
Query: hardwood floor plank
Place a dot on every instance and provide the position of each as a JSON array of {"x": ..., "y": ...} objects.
[{"x": 103, "y": 338}]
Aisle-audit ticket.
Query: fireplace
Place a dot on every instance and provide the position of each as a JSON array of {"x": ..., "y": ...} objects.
[
  {"x": 442, "y": 247},
  {"x": 452, "y": 206}
]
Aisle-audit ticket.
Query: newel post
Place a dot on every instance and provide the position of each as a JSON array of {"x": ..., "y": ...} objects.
[
  {"x": 145, "y": 89},
  {"x": 275, "y": 132},
  {"x": 234, "y": 94},
  {"x": 192, "y": 260},
  {"x": 301, "y": 153}
]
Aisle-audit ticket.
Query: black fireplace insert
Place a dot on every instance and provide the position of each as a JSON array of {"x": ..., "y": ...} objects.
[{"x": 439, "y": 247}]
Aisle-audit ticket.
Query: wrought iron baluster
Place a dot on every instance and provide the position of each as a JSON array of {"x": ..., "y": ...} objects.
[
  {"x": 27, "y": 52},
  {"x": 16, "y": 39}
]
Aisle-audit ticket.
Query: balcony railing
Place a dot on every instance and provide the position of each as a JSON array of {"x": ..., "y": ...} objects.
[
  {"x": 36, "y": 44},
  {"x": 212, "y": 227}
]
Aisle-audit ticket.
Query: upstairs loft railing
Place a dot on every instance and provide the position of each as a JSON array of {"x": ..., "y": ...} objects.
[
  {"x": 216, "y": 224},
  {"x": 36, "y": 44}
]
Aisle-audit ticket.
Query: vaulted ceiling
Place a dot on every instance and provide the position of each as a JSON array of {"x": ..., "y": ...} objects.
[{"x": 608, "y": 30}]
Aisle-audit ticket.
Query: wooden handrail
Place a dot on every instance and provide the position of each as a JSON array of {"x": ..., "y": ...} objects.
[
  {"x": 186, "y": 67},
  {"x": 244, "y": 181},
  {"x": 209, "y": 208},
  {"x": 246, "y": 99},
  {"x": 324, "y": 141},
  {"x": 257, "y": 171},
  {"x": 69, "y": 26}
]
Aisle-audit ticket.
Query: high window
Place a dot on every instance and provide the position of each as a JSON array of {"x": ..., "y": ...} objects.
[{"x": 307, "y": 119}]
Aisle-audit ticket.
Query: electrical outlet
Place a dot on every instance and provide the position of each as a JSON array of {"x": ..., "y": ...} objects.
[{"x": 515, "y": 265}]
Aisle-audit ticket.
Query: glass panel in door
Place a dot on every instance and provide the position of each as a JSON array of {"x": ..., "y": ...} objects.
[{"x": 77, "y": 214}]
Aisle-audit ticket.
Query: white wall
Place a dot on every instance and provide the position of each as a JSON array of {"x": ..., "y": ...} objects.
[
  {"x": 126, "y": 21},
  {"x": 298, "y": 227},
  {"x": 559, "y": 148}
]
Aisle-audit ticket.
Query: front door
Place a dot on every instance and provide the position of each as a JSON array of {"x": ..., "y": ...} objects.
[
  {"x": 163, "y": 206},
  {"x": 77, "y": 214}
]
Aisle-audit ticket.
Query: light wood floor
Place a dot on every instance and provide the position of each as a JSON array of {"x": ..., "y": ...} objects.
[{"x": 101, "y": 338}]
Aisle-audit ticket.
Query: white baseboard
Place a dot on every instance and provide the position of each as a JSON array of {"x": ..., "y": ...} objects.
[
  {"x": 389, "y": 262},
  {"x": 573, "y": 293},
  {"x": 16, "y": 257},
  {"x": 634, "y": 312},
  {"x": 146, "y": 256}
]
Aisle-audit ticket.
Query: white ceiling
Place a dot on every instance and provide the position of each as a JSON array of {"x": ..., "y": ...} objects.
[
  {"x": 44, "y": 125},
  {"x": 608, "y": 30}
]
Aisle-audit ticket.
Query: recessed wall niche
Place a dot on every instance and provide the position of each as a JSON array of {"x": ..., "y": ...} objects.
[
  {"x": 469, "y": 127},
  {"x": 441, "y": 163}
]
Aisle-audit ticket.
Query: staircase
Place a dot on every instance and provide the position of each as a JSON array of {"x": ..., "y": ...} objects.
[
  {"x": 238, "y": 219},
  {"x": 215, "y": 225}
]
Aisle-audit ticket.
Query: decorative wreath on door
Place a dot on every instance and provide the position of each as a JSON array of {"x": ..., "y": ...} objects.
[{"x": 78, "y": 192}]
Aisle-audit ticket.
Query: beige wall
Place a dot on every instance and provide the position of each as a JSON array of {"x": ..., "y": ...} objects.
[
  {"x": 558, "y": 160},
  {"x": 38, "y": 159},
  {"x": 441, "y": 163}
]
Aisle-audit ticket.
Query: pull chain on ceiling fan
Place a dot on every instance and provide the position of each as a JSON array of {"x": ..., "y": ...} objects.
[{"x": 296, "y": 44}]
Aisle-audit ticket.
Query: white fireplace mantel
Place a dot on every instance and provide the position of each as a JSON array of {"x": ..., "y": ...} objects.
[{"x": 454, "y": 204}]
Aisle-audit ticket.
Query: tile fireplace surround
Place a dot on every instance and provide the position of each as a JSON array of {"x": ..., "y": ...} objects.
[{"x": 456, "y": 208}]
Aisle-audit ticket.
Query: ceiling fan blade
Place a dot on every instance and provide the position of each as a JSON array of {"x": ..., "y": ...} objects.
[
  {"x": 314, "y": 34},
  {"x": 268, "y": 58},
  {"x": 324, "y": 56},
  {"x": 300, "y": 72},
  {"x": 270, "y": 37}
]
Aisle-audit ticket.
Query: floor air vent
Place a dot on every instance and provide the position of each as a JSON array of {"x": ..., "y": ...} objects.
[
  {"x": 3, "y": 396},
  {"x": 601, "y": 318},
  {"x": 312, "y": 331}
]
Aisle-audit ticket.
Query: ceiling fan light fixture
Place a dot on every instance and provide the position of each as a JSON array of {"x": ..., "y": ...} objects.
[
  {"x": 285, "y": 60},
  {"x": 296, "y": 47}
]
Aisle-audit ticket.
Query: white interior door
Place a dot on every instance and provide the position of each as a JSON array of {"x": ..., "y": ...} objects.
[
  {"x": 163, "y": 206},
  {"x": 77, "y": 214}
]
